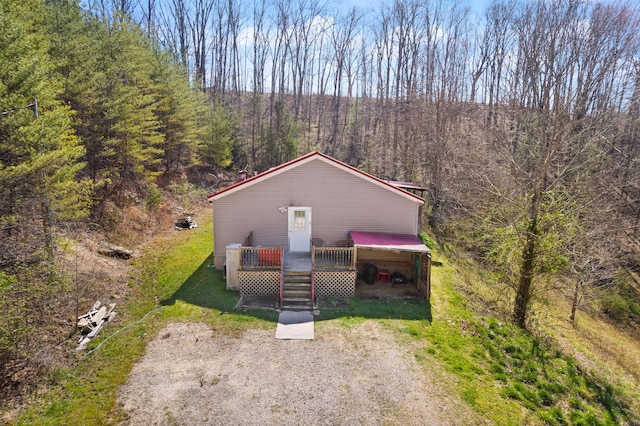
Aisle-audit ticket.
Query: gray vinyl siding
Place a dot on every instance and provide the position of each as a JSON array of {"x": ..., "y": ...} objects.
[{"x": 340, "y": 202}]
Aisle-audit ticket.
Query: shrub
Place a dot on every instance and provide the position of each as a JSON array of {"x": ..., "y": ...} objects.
[
  {"x": 616, "y": 306},
  {"x": 154, "y": 197},
  {"x": 427, "y": 240}
]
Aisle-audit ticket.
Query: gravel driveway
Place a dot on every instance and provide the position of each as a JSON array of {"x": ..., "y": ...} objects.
[{"x": 347, "y": 376}]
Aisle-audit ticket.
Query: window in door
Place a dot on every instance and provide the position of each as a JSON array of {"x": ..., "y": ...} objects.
[{"x": 299, "y": 220}]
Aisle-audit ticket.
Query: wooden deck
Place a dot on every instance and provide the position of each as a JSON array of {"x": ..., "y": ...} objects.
[
  {"x": 321, "y": 258},
  {"x": 331, "y": 271},
  {"x": 297, "y": 261}
]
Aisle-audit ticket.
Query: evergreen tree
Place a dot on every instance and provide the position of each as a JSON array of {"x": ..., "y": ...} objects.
[
  {"x": 132, "y": 139},
  {"x": 181, "y": 111},
  {"x": 39, "y": 161},
  {"x": 39, "y": 153},
  {"x": 116, "y": 111}
]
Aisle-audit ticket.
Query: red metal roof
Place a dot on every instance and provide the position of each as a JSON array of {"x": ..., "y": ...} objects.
[
  {"x": 293, "y": 163},
  {"x": 382, "y": 240}
]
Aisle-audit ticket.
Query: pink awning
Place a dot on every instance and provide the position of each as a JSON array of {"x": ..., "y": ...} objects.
[{"x": 385, "y": 241}]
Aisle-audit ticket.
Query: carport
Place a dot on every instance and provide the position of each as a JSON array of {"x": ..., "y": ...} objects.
[{"x": 393, "y": 256}]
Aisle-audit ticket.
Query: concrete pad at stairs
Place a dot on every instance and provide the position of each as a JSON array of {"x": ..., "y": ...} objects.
[{"x": 295, "y": 326}]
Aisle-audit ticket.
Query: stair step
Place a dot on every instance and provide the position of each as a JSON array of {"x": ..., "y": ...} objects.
[
  {"x": 306, "y": 292},
  {"x": 296, "y": 291},
  {"x": 296, "y": 308},
  {"x": 297, "y": 285},
  {"x": 297, "y": 278},
  {"x": 290, "y": 299},
  {"x": 296, "y": 298}
]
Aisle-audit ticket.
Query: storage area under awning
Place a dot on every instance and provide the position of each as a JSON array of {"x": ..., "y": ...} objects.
[{"x": 392, "y": 255}]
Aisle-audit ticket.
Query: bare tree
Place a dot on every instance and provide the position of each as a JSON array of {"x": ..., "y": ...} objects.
[
  {"x": 341, "y": 38},
  {"x": 260, "y": 53},
  {"x": 173, "y": 31},
  {"x": 547, "y": 145},
  {"x": 279, "y": 55},
  {"x": 306, "y": 28}
]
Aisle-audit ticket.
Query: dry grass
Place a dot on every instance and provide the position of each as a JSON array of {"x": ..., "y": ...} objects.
[
  {"x": 599, "y": 345},
  {"x": 595, "y": 341}
]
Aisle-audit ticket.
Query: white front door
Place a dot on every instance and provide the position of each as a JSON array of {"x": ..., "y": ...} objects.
[{"x": 300, "y": 229}]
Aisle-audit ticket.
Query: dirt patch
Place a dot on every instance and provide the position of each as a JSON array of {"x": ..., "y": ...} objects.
[
  {"x": 359, "y": 375},
  {"x": 387, "y": 291}
]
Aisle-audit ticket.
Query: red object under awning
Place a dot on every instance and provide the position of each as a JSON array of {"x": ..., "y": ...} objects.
[{"x": 386, "y": 241}]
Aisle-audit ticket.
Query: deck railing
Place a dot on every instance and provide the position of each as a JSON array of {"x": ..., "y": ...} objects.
[
  {"x": 333, "y": 258},
  {"x": 252, "y": 258}
]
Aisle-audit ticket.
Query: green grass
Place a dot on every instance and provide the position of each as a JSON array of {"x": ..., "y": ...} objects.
[{"x": 505, "y": 373}]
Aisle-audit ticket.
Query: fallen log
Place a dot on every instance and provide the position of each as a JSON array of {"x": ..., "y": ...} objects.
[{"x": 115, "y": 251}]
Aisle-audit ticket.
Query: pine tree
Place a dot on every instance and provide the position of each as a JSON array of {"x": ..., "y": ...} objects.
[
  {"x": 117, "y": 111},
  {"x": 39, "y": 153},
  {"x": 181, "y": 111},
  {"x": 133, "y": 137},
  {"x": 39, "y": 161}
]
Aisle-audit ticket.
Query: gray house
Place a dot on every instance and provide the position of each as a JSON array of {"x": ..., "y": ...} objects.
[{"x": 310, "y": 227}]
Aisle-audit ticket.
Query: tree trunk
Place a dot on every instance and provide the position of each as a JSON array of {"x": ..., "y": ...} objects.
[
  {"x": 575, "y": 300},
  {"x": 525, "y": 282},
  {"x": 47, "y": 222}
]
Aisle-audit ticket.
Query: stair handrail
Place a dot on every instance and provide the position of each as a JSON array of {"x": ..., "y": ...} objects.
[
  {"x": 313, "y": 276},
  {"x": 281, "y": 275},
  {"x": 313, "y": 289}
]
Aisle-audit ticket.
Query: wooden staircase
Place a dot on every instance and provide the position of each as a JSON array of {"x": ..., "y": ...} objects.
[{"x": 296, "y": 291}]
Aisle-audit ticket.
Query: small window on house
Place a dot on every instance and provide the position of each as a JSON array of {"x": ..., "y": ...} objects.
[{"x": 299, "y": 220}]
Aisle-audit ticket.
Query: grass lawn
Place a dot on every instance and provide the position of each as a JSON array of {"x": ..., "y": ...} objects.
[{"x": 507, "y": 375}]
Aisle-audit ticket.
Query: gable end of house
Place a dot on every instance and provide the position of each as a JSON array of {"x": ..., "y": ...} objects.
[{"x": 314, "y": 156}]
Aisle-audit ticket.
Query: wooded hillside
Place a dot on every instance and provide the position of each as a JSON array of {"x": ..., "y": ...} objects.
[{"x": 522, "y": 120}]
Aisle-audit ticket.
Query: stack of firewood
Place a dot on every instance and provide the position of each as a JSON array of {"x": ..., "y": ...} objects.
[{"x": 90, "y": 323}]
